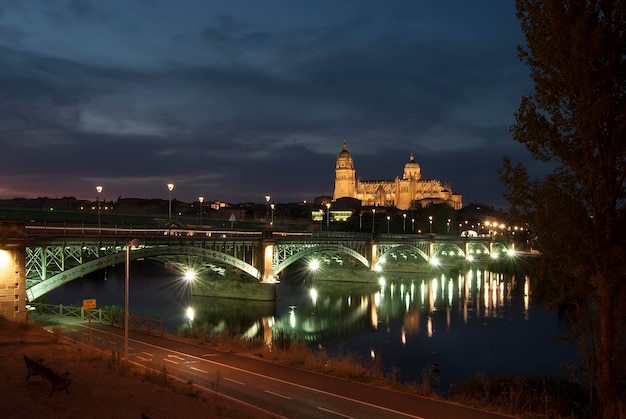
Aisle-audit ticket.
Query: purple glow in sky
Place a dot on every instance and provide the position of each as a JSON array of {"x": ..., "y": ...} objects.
[{"x": 233, "y": 100}]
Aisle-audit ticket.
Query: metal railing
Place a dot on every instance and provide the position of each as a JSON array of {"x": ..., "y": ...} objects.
[{"x": 111, "y": 317}]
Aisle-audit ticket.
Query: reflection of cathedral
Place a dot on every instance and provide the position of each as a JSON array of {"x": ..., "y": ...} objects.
[{"x": 399, "y": 193}]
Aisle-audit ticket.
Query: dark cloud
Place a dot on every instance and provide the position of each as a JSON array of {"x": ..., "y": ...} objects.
[{"x": 236, "y": 100}]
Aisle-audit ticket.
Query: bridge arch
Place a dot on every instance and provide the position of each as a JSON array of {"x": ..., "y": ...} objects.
[
  {"x": 313, "y": 249},
  {"x": 119, "y": 257},
  {"x": 389, "y": 252}
]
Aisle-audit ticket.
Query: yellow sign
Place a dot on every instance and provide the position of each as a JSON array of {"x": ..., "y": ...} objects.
[{"x": 89, "y": 304}]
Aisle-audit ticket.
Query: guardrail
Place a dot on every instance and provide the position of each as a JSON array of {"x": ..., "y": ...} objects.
[{"x": 111, "y": 317}]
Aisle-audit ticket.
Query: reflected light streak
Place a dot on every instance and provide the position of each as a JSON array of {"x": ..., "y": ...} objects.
[
  {"x": 407, "y": 302},
  {"x": 403, "y": 335},
  {"x": 429, "y": 326},
  {"x": 422, "y": 292}
]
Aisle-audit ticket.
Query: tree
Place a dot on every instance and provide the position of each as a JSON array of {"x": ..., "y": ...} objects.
[{"x": 575, "y": 121}]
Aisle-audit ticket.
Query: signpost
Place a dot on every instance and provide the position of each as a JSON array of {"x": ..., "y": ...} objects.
[{"x": 88, "y": 305}]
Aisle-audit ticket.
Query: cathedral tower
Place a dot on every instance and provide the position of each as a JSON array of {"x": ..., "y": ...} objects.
[{"x": 345, "y": 175}]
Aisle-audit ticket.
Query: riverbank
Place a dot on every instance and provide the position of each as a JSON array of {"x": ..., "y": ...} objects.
[{"x": 101, "y": 386}]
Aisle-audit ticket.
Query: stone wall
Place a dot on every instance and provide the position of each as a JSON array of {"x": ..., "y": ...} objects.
[{"x": 12, "y": 275}]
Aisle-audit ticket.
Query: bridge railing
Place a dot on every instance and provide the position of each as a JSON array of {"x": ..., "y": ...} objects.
[
  {"x": 93, "y": 231},
  {"x": 111, "y": 317}
]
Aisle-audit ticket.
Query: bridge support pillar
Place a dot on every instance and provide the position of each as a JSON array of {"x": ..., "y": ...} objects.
[
  {"x": 12, "y": 275},
  {"x": 268, "y": 258},
  {"x": 373, "y": 256}
]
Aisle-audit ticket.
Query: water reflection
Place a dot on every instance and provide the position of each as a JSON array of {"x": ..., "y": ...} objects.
[
  {"x": 468, "y": 322},
  {"x": 420, "y": 298}
]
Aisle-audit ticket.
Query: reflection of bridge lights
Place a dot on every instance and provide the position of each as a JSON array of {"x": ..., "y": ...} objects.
[
  {"x": 378, "y": 268},
  {"x": 381, "y": 281},
  {"x": 372, "y": 353},
  {"x": 190, "y": 314},
  {"x": 407, "y": 302},
  {"x": 292, "y": 319},
  {"x": 313, "y": 294},
  {"x": 510, "y": 252},
  {"x": 382, "y": 261},
  {"x": 377, "y": 298}
]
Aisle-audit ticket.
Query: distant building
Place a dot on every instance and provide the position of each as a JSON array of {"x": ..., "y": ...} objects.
[{"x": 411, "y": 190}]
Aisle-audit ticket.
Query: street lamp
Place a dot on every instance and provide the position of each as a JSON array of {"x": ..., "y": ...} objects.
[
  {"x": 201, "y": 199},
  {"x": 360, "y": 220},
  {"x": 267, "y": 210},
  {"x": 412, "y": 225},
  {"x": 448, "y": 226},
  {"x": 99, "y": 190},
  {"x": 388, "y": 218},
  {"x": 170, "y": 187},
  {"x": 404, "y": 223},
  {"x": 430, "y": 221},
  {"x": 134, "y": 242},
  {"x": 328, "y": 217},
  {"x": 373, "y": 218},
  {"x": 272, "y": 207}
]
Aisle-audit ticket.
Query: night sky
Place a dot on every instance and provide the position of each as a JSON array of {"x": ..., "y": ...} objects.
[{"x": 233, "y": 100}]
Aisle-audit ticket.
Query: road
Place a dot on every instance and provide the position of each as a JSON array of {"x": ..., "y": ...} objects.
[{"x": 281, "y": 390}]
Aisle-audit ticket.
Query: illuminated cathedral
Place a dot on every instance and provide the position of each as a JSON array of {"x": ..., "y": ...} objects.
[{"x": 403, "y": 193}]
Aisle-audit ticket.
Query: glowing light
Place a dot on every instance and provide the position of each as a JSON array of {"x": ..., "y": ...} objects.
[
  {"x": 381, "y": 281},
  {"x": 510, "y": 252},
  {"x": 494, "y": 255},
  {"x": 190, "y": 314},
  {"x": 292, "y": 319},
  {"x": 5, "y": 258},
  {"x": 434, "y": 261},
  {"x": 314, "y": 265},
  {"x": 313, "y": 294},
  {"x": 190, "y": 275}
]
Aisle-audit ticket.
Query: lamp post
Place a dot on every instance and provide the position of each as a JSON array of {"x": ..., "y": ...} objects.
[
  {"x": 388, "y": 218},
  {"x": 430, "y": 222},
  {"x": 170, "y": 187},
  {"x": 448, "y": 226},
  {"x": 404, "y": 223},
  {"x": 373, "y": 218},
  {"x": 201, "y": 199},
  {"x": 99, "y": 190},
  {"x": 267, "y": 209},
  {"x": 272, "y": 207},
  {"x": 413, "y": 225},
  {"x": 134, "y": 242},
  {"x": 360, "y": 221},
  {"x": 328, "y": 217}
]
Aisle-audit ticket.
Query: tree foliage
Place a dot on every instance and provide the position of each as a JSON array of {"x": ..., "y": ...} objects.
[{"x": 576, "y": 121}]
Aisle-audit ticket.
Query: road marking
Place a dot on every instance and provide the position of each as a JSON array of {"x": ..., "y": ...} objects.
[
  {"x": 208, "y": 355},
  {"x": 180, "y": 358},
  {"x": 169, "y": 360},
  {"x": 234, "y": 381},
  {"x": 149, "y": 354},
  {"x": 335, "y": 413},
  {"x": 198, "y": 369},
  {"x": 97, "y": 337},
  {"x": 143, "y": 359},
  {"x": 277, "y": 395}
]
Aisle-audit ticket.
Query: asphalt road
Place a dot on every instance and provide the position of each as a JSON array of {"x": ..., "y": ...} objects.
[{"x": 277, "y": 389}]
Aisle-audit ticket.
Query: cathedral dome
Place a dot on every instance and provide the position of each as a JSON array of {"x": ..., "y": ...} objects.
[
  {"x": 412, "y": 169},
  {"x": 344, "y": 159}
]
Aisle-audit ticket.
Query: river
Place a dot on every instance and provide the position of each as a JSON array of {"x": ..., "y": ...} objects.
[{"x": 474, "y": 323}]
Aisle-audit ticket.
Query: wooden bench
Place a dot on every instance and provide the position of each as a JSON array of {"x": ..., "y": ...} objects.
[{"x": 59, "y": 381}]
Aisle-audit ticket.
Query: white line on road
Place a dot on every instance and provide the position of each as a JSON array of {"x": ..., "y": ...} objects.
[
  {"x": 278, "y": 395},
  {"x": 207, "y": 355},
  {"x": 234, "y": 381},
  {"x": 143, "y": 359},
  {"x": 149, "y": 354},
  {"x": 176, "y": 356},
  {"x": 169, "y": 360},
  {"x": 335, "y": 413},
  {"x": 198, "y": 369}
]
